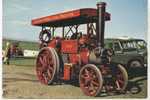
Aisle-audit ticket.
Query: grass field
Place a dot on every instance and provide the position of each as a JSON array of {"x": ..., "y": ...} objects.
[
  {"x": 23, "y": 61},
  {"x": 23, "y": 44}
]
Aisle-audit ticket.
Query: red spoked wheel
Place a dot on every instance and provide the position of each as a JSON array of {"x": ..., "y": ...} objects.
[
  {"x": 121, "y": 79},
  {"x": 46, "y": 65},
  {"x": 90, "y": 79},
  {"x": 116, "y": 79}
]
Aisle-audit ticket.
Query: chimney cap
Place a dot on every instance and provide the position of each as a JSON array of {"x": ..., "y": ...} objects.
[{"x": 100, "y": 4}]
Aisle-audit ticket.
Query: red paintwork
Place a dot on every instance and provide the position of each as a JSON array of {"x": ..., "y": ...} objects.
[
  {"x": 52, "y": 43},
  {"x": 67, "y": 71},
  {"x": 66, "y": 17},
  {"x": 69, "y": 46},
  {"x": 82, "y": 57},
  {"x": 74, "y": 58}
]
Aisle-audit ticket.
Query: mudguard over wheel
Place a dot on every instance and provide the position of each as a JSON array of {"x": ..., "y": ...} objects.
[
  {"x": 47, "y": 65},
  {"x": 90, "y": 79}
]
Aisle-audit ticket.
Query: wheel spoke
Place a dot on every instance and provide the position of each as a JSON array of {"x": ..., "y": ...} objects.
[
  {"x": 95, "y": 83},
  {"x": 45, "y": 60},
  {"x": 86, "y": 71},
  {"x": 45, "y": 78},
  {"x": 41, "y": 60},
  {"x": 49, "y": 74},
  {"x": 84, "y": 77},
  {"x": 92, "y": 89},
  {"x": 50, "y": 68},
  {"x": 119, "y": 83},
  {"x": 51, "y": 63}
]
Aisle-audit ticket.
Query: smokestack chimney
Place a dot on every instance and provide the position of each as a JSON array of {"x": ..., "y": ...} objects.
[{"x": 100, "y": 24}]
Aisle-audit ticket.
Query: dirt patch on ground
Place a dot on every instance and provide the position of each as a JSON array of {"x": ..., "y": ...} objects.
[{"x": 21, "y": 82}]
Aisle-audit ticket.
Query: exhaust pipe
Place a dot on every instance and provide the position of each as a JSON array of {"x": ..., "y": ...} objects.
[
  {"x": 100, "y": 24},
  {"x": 100, "y": 54}
]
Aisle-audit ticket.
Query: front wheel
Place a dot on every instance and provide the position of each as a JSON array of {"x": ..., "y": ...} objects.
[
  {"x": 121, "y": 78},
  {"x": 90, "y": 79}
]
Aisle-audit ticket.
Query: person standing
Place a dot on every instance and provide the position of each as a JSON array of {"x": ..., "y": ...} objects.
[{"x": 7, "y": 53}]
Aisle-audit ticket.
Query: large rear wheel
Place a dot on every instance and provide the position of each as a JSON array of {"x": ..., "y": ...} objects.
[
  {"x": 47, "y": 65},
  {"x": 90, "y": 80}
]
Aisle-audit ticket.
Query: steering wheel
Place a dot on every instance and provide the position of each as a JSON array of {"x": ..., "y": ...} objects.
[{"x": 45, "y": 36}]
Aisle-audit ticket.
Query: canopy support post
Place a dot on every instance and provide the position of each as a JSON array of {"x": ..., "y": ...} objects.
[
  {"x": 63, "y": 31},
  {"x": 53, "y": 30}
]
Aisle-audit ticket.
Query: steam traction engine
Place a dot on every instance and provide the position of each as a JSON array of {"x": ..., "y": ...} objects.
[{"x": 78, "y": 56}]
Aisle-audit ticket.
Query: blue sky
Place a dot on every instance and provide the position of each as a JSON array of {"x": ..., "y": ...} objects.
[{"x": 128, "y": 17}]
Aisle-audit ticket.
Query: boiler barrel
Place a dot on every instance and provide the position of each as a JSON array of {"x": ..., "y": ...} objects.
[{"x": 93, "y": 59}]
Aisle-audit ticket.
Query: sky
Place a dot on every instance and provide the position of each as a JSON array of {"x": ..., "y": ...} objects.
[{"x": 128, "y": 17}]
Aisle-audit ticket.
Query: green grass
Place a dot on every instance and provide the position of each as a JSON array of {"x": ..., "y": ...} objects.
[
  {"x": 22, "y": 44},
  {"x": 23, "y": 61}
]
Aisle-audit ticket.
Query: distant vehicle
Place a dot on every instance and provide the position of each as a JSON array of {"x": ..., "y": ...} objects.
[
  {"x": 130, "y": 52},
  {"x": 16, "y": 49}
]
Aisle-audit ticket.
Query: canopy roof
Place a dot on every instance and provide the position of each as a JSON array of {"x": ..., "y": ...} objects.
[{"x": 80, "y": 16}]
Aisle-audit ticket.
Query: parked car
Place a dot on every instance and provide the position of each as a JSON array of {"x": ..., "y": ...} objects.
[{"x": 130, "y": 52}]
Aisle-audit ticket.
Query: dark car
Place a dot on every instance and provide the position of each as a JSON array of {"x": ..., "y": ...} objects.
[{"x": 130, "y": 52}]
